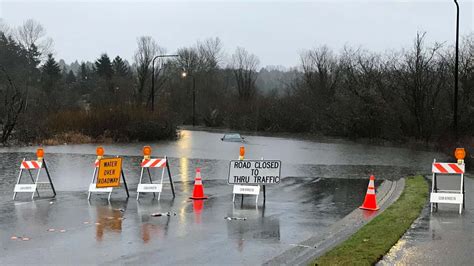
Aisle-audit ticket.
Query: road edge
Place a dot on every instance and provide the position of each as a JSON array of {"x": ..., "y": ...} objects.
[{"x": 306, "y": 251}]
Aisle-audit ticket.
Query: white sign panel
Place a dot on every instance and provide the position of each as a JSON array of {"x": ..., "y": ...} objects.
[
  {"x": 254, "y": 172},
  {"x": 25, "y": 188},
  {"x": 149, "y": 187},
  {"x": 248, "y": 190},
  {"x": 446, "y": 198},
  {"x": 93, "y": 188}
]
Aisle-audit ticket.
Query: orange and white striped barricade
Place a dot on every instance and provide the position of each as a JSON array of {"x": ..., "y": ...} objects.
[
  {"x": 148, "y": 163},
  {"x": 444, "y": 195},
  {"x": 30, "y": 166},
  {"x": 95, "y": 187}
]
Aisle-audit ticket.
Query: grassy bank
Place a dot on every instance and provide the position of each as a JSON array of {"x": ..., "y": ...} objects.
[{"x": 372, "y": 241}]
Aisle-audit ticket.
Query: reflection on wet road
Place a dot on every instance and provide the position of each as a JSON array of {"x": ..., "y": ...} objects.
[
  {"x": 322, "y": 183},
  {"x": 195, "y": 231}
]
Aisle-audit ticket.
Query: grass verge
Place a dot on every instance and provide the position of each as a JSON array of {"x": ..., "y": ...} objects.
[{"x": 372, "y": 241}]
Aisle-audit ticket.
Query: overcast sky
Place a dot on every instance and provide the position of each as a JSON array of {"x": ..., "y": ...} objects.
[{"x": 275, "y": 31}]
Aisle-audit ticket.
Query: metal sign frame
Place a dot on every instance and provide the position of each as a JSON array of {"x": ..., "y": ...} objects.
[
  {"x": 34, "y": 180},
  {"x": 94, "y": 189},
  {"x": 167, "y": 166},
  {"x": 447, "y": 196},
  {"x": 236, "y": 186}
]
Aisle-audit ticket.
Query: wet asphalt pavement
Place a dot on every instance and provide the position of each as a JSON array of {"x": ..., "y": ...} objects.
[
  {"x": 322, "y": 183},
  {"x": 124, "y": 231},
  {"x": 444, "y": 237}
]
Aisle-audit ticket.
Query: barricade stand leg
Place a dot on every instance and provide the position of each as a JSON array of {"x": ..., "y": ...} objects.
[
  {"x": 151, "y": 181},
  {"x": 125, "y": 183},
  {"x": 256, "y": 199},
  {"x": 92, "y": 182},
  {"x": 162, "y": 174},
  {"x": 264, "y": 195},
  {"x": 18, "y": 180},
  {"x": 139, "y": 182},
  {"x": 233, "y": 197},
  {"x": 33, "y": 180},
  {"x": 436, "y": 190},
  {"x": 462, "y": 190},
  {"x": 37, "y": 178},
  {"x": 169, "y": 176},
  {"x": 432, "y": 189},
  {"x": 49, "y": 178}
]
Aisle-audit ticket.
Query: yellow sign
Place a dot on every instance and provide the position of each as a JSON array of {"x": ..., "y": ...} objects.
[{"x": 110, "y": 170}]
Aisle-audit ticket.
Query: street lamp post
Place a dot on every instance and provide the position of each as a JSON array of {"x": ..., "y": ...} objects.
[
  {"x": 153, "y": 78},
  {"x": 456, "y": 67},
  {"x": 185, "y": 74}
]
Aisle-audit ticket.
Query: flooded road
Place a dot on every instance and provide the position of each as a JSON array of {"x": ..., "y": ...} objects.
[
  {"x": 322, "y": 182},
  {"x": 72, "y": 163}
]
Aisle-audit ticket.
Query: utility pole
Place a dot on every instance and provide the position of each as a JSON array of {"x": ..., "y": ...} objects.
[
  {"x": 153, "y": 78},
  {"x": 456, "y": 67},
  {"x": 185, "y": 75}
]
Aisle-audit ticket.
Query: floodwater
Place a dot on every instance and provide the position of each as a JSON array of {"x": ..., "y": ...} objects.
[{"x": 322, "y": 182}]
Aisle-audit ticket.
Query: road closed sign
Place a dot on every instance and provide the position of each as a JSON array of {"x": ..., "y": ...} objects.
[
  {"x": 110, "y": 170},
  {"x": 254, "y": 172}
]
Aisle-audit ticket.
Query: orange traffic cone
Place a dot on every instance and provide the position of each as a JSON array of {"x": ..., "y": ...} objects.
[
  {"x": 370, "y": 202},
  {"x": 198, "y": 192}
]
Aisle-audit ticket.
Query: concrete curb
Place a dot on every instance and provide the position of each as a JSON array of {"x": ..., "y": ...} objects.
[{"x": 306, "y": 251}]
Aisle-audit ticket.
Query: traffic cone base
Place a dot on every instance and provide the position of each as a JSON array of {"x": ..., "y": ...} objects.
[
  {"x": 200, "y": 198},
  {"x": 370, "y": 201},
  {"x": 198, "y": 191}
]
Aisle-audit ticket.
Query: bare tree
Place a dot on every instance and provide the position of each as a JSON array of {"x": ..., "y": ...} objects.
[
  {"x": 321, "y": 73},
  {"x": 4, "y": 28},
  {"x": 244, "y": 66},
  {"x": 466, "y": 78},
  {"x": 146, "y": 51},
  {"x": 418, "y": 80},
  {"x": 188, "y": 60},
  {"x": 203, "y": 57},
  {"x": 13, "y": 102},
  {"x": 32, "y": 33},
  {"x": 210, "y": 53},
  {"x": 361, "y": 73}
]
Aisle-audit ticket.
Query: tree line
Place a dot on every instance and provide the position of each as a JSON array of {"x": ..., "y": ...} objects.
[{"x": 351, "y": 93}]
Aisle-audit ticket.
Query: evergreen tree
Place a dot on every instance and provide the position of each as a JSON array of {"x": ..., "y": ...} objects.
[
  {"x": 70, "y": 77},
  {"x": 103, "y": 67},
  {"x": 50, "y": 74},
  {"x": 84, "y": 72},
  {"x": 33, "y": 56},
  {"x": 120, "y": 68}
]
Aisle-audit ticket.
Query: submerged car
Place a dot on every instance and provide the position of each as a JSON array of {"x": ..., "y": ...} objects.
[{"x": 234, "y": 137}]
